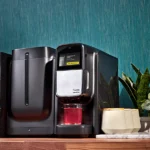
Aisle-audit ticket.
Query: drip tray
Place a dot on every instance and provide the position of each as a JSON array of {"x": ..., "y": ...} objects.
[{"x": 74, "y": 129}]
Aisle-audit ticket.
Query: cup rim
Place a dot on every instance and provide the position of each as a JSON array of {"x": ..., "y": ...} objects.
[{"x": 112, "y": 109}]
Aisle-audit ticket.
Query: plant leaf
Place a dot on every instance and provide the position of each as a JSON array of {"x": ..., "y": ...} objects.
[
  {"x": 142, "y": 91},
  {"x": 136, "y": 69},
  {"x": 130, "y": 83},
  {"x": 134, "y": 85},
  {"x": 133, "y": 98},
  {"x": 146, "y": 105},
  {"x": 138, "y": 73}
]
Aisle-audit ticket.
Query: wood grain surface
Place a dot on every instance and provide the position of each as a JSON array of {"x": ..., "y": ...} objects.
[{"x": 73, "y": 144}]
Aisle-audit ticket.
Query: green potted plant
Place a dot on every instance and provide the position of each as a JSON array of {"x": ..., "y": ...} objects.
[{"x": 139, "y": 93}]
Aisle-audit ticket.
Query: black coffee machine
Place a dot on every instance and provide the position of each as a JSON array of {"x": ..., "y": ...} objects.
[
  {"x": 31, "y": 103},
  {"x": 86, "y": 82},
  {"x": 5, "y": 60}
]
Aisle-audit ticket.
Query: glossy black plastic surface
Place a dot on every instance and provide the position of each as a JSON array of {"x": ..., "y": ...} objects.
[
  {"x": 5, "y": 60},
  {"x": 35, "y": 52},
  {"x": 32, "y": 92},
  {"x": 103, "y": 84}
]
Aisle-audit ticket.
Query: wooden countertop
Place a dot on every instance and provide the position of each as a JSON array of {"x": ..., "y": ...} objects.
[{"x": 73, "y": 144}]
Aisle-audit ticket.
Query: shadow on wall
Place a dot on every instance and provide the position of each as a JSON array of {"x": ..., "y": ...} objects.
[{"x": 125, "y": 100}]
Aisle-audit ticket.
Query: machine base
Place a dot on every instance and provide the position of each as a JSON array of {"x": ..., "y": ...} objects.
[
  {"x": 74, "y": 130},
  {"x": 30, "y": 131}
]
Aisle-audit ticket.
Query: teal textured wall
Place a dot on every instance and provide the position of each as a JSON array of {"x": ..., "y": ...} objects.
[{"x": 119, "y": 27}]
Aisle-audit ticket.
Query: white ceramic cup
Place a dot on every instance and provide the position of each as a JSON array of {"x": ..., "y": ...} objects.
[
  {"x": 136, "y": 120},
  {"x": 113, "y": 121},
  {"x": 129, "y": 120}
]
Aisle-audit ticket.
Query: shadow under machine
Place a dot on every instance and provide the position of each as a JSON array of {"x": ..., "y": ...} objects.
[
  {"x": 31, "y": 100},
  {"x": 86, "y": 82}
]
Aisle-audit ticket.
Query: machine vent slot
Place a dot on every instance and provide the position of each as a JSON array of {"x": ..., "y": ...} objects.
[{"x": 26, "y": 78}]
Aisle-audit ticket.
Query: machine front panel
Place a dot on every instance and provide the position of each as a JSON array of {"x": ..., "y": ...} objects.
[{"x": 69, "y": 83}]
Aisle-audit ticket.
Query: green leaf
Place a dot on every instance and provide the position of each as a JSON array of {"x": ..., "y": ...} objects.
[
  {"x": 142, "y": 91},
  {"x": 146, "y": 71},
  {"x": 139, "y": 75},
  {"x": 133, "y": 98},
  {"x": 134, "y": 85},
  {"x": 146, "y": 105},
  {"x": 136, "y": 69},
  {"x": 130, "y": 83}
]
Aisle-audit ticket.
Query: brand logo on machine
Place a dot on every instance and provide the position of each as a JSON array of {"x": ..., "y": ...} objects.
[{"x": 76, "y": 90}]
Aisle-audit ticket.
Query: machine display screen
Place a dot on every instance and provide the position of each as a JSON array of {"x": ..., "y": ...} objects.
[{"x": 69, "y": 59}]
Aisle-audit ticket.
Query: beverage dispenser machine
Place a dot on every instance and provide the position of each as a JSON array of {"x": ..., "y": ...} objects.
[
  {"x": 86, "y": 82},
  {"x": 31, "y": 100}
]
